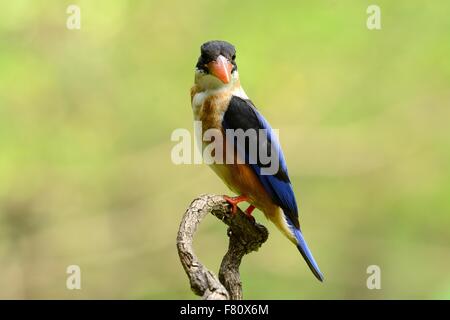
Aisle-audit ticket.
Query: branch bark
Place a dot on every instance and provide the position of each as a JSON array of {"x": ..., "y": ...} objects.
[{"x": 245, "y": 236}]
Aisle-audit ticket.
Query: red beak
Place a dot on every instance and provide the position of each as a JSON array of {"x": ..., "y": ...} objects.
[{"x": 221, "y": 69}]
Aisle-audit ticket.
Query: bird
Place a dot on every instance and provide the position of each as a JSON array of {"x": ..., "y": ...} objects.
[{"x": 220, "y": 103}]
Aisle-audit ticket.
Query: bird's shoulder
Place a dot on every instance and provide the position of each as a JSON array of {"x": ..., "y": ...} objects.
[{"x": 241, "y": 113}]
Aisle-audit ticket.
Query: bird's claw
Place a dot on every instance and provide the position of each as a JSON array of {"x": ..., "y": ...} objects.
[
  {"x": 248, "y": 213},
  {"x": 233, "y": 201}
]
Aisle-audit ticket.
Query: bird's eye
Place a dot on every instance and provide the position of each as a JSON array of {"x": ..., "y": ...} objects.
[{"x": 233, "y": 57}]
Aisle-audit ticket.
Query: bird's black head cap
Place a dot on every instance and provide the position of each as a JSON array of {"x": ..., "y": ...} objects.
[{"x": 212, "y": 49}]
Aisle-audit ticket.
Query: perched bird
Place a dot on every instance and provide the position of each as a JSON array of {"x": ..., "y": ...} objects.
[{"x": 219, "y": 102}]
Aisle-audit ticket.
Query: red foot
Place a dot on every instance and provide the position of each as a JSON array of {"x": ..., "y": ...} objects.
[
  {"x": 250, "y": 210},
  {"x": 233, "y": 201}
]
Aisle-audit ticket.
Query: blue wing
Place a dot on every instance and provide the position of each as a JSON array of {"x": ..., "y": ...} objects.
[{"x": 242, "y": 114}]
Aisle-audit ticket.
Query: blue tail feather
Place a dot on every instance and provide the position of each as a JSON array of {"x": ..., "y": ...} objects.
[{"x": 306, "y": 253}]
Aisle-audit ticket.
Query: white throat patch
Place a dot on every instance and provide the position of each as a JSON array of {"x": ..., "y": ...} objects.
[{"x": 210, "y": 85}]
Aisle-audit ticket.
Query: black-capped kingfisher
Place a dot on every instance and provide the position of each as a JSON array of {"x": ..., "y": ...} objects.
[{"x": 219, "y": 102}]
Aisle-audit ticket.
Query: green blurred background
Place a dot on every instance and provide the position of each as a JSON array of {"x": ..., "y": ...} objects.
[{"x": 85, "y": 123}]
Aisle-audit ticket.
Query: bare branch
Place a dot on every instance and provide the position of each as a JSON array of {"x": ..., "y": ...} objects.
[{"x": 245, "y": 236}]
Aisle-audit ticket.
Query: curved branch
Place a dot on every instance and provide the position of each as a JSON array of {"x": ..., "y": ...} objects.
[{"x": 245, "y": 236}]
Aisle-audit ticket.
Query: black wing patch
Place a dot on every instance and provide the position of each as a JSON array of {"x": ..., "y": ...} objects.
[{"x": 241, "y": 114}]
